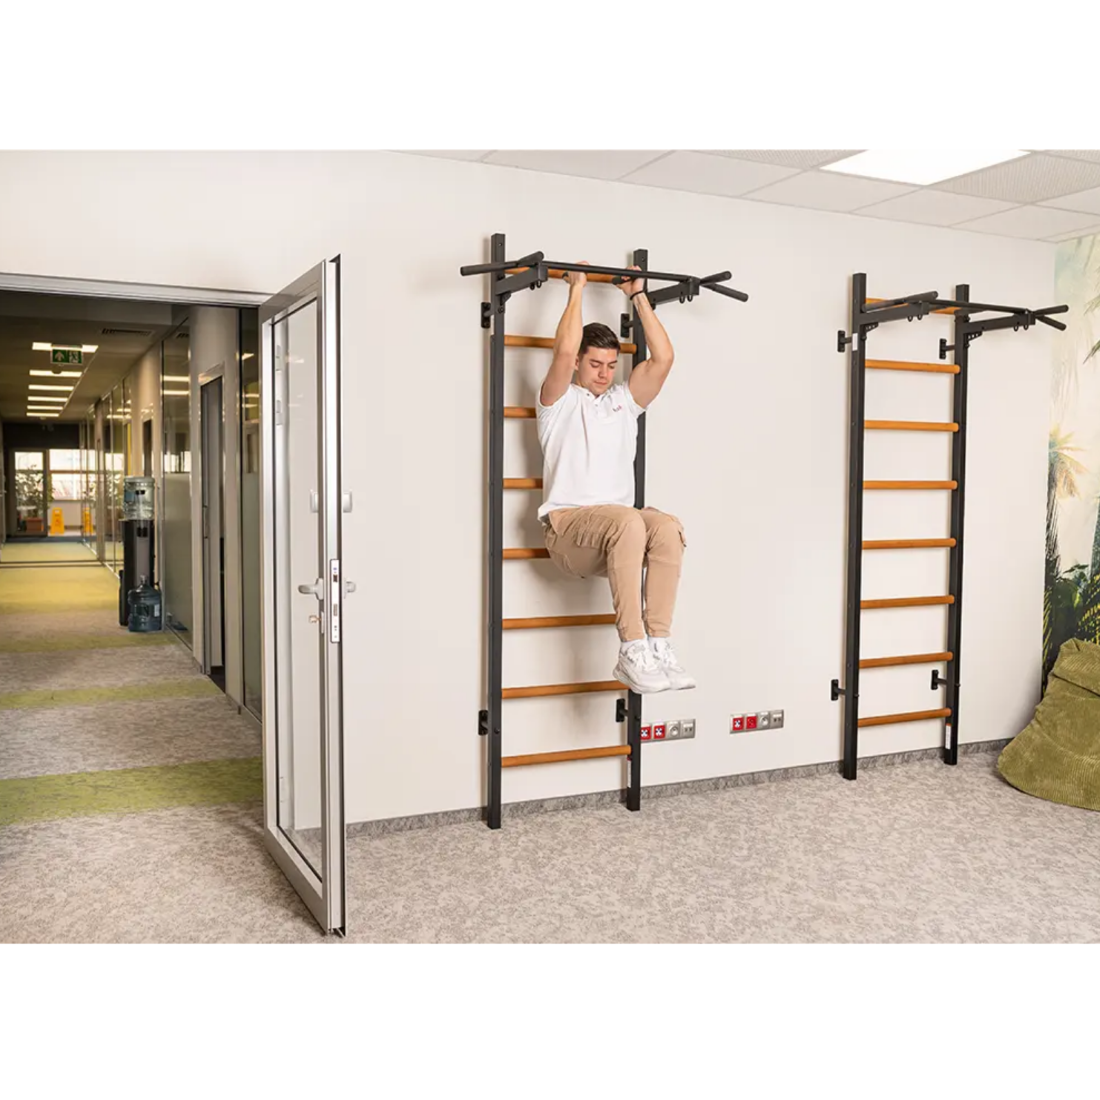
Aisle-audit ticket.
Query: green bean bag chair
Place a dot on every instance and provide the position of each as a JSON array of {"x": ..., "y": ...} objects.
[{"x": 1057, "y": 756}]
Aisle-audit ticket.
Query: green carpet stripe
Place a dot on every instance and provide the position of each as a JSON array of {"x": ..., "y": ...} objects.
[
  {"x": 171, "y": 689},
  {"x": 130, "y": 790},
  {"x": 63, "y": 642}
]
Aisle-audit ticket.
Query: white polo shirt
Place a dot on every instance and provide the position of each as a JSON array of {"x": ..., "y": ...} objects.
[{"x": 588, "y": 447}]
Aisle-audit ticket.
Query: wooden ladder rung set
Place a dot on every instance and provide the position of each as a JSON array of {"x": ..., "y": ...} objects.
[
  {"x": 506, "y": 278},
  {"x": 866, "y": 315}
]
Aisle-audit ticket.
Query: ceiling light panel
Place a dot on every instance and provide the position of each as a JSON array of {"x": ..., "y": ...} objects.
[{"x": 920, "y": 166}]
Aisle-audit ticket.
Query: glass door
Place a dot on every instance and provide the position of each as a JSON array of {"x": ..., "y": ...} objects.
[{"x": 302, "y": 590}]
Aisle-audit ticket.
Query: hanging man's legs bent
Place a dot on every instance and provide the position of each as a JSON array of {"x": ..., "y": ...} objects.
[{"x": 623, "y": 544}]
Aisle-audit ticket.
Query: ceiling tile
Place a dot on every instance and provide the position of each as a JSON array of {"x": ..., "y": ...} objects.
[
  {"x": 802, "y": 159},
  {"x": 707, "y": 174},
  {"x": 449, "y": 154},
  {"x": 826, "y": 191},
  {"x": 1033, "y": 222},
  {"x": 1076, "y": 154},
  {"x": 1091, "y": 231},
  {"x": 935, "y": 208},
  {"x": 1087, "y": 202},
  {"x": 604, "y": 164},
  {"x": 1026, "y": 179}
]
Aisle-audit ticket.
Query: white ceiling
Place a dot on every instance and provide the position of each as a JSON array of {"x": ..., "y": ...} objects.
[{"x": 1047, "y": 195}]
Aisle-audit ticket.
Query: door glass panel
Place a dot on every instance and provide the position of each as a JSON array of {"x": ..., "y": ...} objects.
[
  {"x": 251, "y": 548},
  {"x": 298, "y": 554},
  {"x": 175, "y": 542},
  {"x": 30, "y": 493}
]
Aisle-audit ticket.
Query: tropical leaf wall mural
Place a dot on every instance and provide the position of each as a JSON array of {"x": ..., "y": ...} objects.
[{"x": 1071, "y": 606}]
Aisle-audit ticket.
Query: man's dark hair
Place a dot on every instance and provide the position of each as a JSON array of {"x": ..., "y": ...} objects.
[{"x": 596, "y": 335}]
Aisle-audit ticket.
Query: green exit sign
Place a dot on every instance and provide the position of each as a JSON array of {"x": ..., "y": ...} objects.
[{"x": 67, "y": 357}]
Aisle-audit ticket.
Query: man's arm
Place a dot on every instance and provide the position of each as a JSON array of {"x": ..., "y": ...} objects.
[
  {"x": 567, "y": 342},
  {"x": 647, "y": 378}
]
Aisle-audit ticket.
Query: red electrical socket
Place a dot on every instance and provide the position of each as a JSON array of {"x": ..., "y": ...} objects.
[
  {"x": 658, "y": 731},
  {"x": 750, "y": 721},
  {"x": 737, "y": 723},
  {"x": 646, "y": 733}
]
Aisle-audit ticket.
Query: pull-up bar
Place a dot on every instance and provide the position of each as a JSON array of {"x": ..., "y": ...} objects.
[{"x": 538, "y": 269}]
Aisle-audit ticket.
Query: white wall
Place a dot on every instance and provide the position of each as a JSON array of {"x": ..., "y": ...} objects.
[
  {"x": 747, "y": 445},
  {"x": 145, "y": 403}
]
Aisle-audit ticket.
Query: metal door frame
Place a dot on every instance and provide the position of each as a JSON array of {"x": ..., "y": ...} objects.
[{"x": 324, "y": 894}]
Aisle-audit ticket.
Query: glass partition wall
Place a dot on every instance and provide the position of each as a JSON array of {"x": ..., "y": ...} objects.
[{"x": 175, "y": 522}]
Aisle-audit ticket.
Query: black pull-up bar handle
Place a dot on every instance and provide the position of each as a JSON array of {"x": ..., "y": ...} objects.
[
  {"x": 728, "y": 291},
  {"x": 721, "y": 277},
  {"x": 1047, "y": 321},
  {"x": 1049, "y": 310},
  {"x": 505, "y": 265}
]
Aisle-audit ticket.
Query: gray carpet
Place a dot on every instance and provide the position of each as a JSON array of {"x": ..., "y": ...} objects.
[{"x": 917, "y": 852}]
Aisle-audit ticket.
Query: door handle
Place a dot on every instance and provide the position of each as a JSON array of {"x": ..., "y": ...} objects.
[{"x": 316, "y": 589}]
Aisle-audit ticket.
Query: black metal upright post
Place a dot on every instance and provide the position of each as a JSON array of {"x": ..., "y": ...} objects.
[
  {"x": 856, "y": 406},
  {"x": 634, "y": 700},
  {"x": 496, "y": 540},
  {"x": 958, "y": 504}
]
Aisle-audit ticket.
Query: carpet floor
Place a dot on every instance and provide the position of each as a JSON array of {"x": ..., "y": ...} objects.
[
  {"x": 96, "y": 720},
  {"x": 911, "y": 853}
]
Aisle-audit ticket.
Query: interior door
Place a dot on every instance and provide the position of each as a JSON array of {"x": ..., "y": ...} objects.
[{"x": 302, "y": 590}]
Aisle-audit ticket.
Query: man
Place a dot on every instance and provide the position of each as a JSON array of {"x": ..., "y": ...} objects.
[{"x": 588, "y": 429}]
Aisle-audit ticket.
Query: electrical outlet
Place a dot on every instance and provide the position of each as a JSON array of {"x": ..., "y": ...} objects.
[
  {"x": 687, "y": 727},
  {"x": 763, "y": 720},
  {"x": 777, "y": 719},
  {"x": 737, "y": 723},
  {"x": 658, "y": 731},
  {"x": 674, "y": 730},
  {"x": 647, "y": 733},
  {"x": 750, "y": 721}
]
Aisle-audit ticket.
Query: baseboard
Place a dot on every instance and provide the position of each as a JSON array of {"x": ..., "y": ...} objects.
[{"x": 663, "y": 790}]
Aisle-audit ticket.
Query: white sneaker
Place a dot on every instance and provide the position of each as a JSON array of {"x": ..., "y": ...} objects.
[
  {"x": 639, "y": 670},
  {"x": 665, "y": 656}
]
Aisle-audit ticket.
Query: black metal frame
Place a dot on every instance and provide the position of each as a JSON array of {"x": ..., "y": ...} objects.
[
  {"x": 502, "y": 286},
  {"x": 866, "y": 317}
]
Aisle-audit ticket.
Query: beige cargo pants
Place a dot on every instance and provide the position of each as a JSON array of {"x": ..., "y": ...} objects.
[{"x": 612, "y": 541}]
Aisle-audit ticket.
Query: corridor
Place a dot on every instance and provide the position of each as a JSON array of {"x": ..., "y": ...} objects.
[{"x": 97, "y": 722}]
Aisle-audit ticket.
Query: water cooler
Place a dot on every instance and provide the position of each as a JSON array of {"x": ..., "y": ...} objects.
[{"x": 137, "y": 547}]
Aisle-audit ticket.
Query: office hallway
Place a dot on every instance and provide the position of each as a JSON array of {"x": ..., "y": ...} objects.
[{"x": 95, "y": 719}]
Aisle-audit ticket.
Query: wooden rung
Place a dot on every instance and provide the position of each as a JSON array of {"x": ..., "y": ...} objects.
[
  {"x": 562, "y": 689},
  {"x": 914, "y": 659},
  {"x": 875, "y": 301},
  {"x": 558, "y": 620},
  {"x": 909, "y": 485},
  {"x": 557, "y": 273},
  {"x": 912, "y": 716},
  {"x": 906, "y": 601},
  {"x": 903, "y": 364},
  {"x": 526, "y": 553},
  {"x": 518, "y": 412},
  {"x": 906, "y": 544},
  {"x": 548, "y": 342},
  {"x": 905, "y": 426},
  {"x": 569, "y": 754},
  {"x": 523, "y": 483}
]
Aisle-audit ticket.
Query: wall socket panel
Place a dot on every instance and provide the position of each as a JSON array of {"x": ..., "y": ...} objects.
[
  {"x": 761, "y": 720},
  {"x": 677, "y": 729}
]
